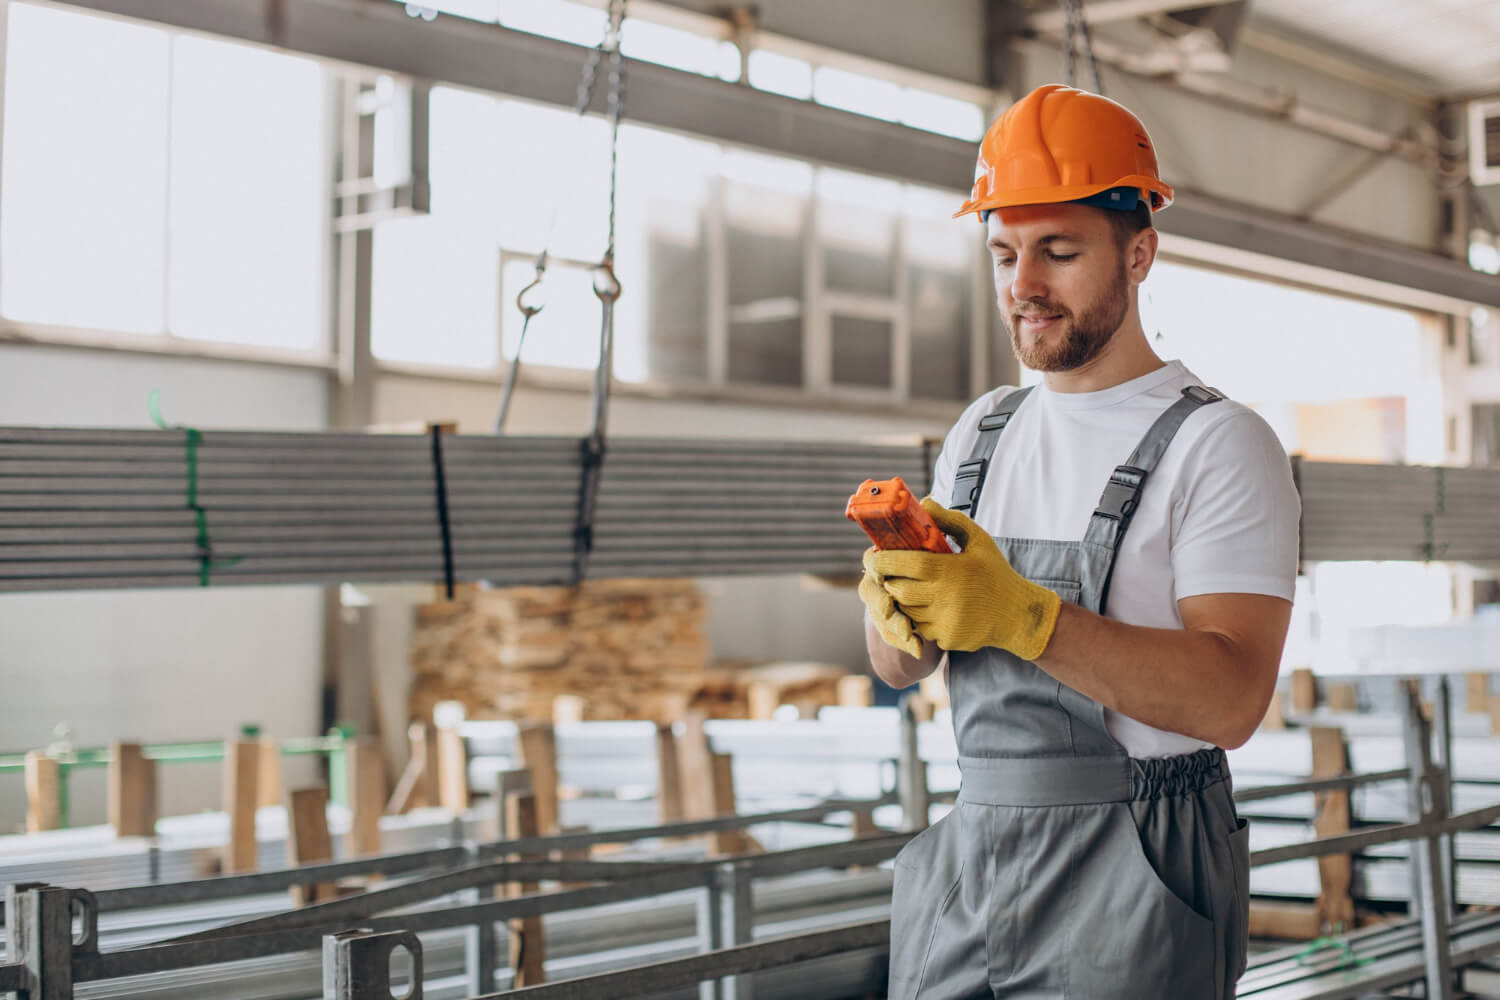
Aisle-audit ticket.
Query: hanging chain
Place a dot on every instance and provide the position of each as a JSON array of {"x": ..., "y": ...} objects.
[
  {"x": 530, "y": 299},
  {"x": 1075, "y": 36}
]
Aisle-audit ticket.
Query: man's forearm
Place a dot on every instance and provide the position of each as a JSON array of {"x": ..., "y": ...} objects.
[
  {"x": 1199, "y": 683},
  {"x": 895, "y": 667}
]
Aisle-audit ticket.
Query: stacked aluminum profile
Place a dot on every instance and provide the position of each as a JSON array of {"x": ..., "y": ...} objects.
[
  {"x": 95, "y": 509},
  {"x": 86, "y": 509}
]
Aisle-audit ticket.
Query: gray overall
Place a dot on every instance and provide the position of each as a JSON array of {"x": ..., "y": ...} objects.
[{"x": 1069, "y": 869}]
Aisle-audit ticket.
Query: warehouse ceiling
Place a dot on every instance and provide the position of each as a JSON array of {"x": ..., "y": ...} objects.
[{"x": 1436, "y": 48}]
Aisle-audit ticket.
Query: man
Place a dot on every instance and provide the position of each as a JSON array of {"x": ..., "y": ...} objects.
[{"x": 1099, "y": 649}]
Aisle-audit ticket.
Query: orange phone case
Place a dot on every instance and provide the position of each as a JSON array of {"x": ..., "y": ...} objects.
[{"x": 893, "y": 518}]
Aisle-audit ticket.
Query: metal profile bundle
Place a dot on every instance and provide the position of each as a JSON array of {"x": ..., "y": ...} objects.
[
  {"x": 95, "y": 509},
  {"x": 134, "y": 509}
]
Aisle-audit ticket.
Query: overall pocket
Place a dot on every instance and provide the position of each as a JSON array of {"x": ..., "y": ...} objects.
[{"x": 926, "y": 875}]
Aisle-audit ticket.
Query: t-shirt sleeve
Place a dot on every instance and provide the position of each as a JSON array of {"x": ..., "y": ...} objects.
[{"x": 1236, "y": 520}]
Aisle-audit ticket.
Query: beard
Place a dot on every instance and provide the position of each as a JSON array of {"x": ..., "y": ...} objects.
[{"x": 1084, "y": 336}]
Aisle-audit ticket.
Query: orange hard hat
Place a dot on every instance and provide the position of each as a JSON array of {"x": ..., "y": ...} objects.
[{"x": 1060, "y": 144}]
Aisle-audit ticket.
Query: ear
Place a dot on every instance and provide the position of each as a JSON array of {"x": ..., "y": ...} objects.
[{"x": 1140, "y": 254}]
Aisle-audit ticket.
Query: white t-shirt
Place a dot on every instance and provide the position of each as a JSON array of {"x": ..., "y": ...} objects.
[{"x": 1218, "y": 515}]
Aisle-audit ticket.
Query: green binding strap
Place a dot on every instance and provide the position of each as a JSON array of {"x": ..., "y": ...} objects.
[
  {"x": 193, "y": 437},
  {"x": 1335, "y": 942}
]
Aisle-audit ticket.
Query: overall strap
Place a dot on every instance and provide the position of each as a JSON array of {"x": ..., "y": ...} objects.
[
  {"x": 968, "y": 478},
  {"x": 1122, "y": 494}
]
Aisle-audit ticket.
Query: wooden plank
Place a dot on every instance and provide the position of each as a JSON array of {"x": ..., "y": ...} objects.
[
  {"x": 567, "y": 709},
  {"x": 1304, "y": 690},
  {"x": 668, "y": 776},
  {"x": 453, "y": 771},
  {"x": 417, "y": 786},
  {"x": 366, "y": 765},
  {"x": 270, "y": 774},
  {"x": 538, "y": 744},
  {"x": 308, "y": 840},
  {"x": 1342, "y": 698},
  {"x": 132, "y": 791},
  {"x": 1477, "y": 692},
  {"x": 43, "y": 792},
  {"x": 726, "y": 841},
  {"x": 856, "y": 691},
  {"x": 1330, "y": 757},
  {"x": 528, "y": 948},
  {"x": 241, "y": 793}
]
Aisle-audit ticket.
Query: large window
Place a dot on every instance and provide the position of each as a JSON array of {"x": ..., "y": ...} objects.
[
  {"x": 738, "y": 268},
  {"x": 159, "y": 183}
]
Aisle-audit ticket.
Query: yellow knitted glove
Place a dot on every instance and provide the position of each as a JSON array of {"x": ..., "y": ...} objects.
[
  {"x": 970, "y": 599},
  {"x": 894, "y": 627}
]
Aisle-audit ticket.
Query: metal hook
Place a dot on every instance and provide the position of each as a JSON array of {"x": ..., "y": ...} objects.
[
  {"x": 541, "y": 270},
  {"x": 606, "y": 284}
]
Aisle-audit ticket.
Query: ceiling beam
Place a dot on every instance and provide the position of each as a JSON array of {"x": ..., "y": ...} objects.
[
  {"x": 1102, "y": 11},
  {"x": 486, "y": 57}
]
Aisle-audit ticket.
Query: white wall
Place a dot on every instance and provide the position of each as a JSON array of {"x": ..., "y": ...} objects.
[{"x": 155, "y": 665}]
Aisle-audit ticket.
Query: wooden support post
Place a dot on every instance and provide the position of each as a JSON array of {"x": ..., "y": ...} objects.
[
  {"x": 862, "y": 824},
  {"x": 1477, "y": 692},
  {"x": 308, "y": 841},
  {"x": 726, "y": 841},
  {"x": 1304, "y": 690},
  {"x": 132, "y": 791},
  {"x": 453, "y": 771},
  {"x": 528, "y": 948},
  {"x": 1335, "y": 872},
  {"x": 921, "y": 707},
  {"x": 270, "y": 773},
  {"x": 1342, "y": 698},
  {"x": 538, "y": 744},
  {"x": 574, "y": 854},
  {"x": 668, "y": 776},
  {"x": 241, "y": 793},
  {"x": 43, "y": 792},
  {"x": 856, "y": 691},
  {"x": 366, "y": 766}
]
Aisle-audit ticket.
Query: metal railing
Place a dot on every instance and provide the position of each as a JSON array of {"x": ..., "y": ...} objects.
[{"x": 47, "y": 961}]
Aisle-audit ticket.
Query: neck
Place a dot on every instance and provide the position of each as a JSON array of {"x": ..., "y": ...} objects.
[{"x": 1128, "y": 355}]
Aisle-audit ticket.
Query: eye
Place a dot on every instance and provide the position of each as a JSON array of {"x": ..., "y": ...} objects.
[
  {"x": 1061, "y": 257},
  {"x": 1005, "y": 261}
]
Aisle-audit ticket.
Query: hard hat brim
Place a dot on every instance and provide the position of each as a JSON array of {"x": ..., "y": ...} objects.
[{"x": 1162, "y": 195}]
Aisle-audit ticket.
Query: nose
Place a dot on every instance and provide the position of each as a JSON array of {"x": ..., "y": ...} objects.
[{"x": 1026, "y": 281}]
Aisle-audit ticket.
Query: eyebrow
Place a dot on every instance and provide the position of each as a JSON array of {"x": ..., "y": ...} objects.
[{"x": 995, "y": 243}]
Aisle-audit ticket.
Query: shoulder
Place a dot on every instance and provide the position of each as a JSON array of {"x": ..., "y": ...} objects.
[{"x": 966, "y": 428}]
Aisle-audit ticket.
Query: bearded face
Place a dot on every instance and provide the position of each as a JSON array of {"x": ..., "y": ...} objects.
[{"x": 1048, "y": 336}]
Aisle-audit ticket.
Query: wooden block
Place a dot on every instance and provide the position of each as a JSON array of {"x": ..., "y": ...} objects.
[
  {"x": 308, "y": 840},
  {"x": 1477, "y": 692},
  {"x": 241, "y": 793},
  {"x": 1335, "y": 872},
  {"x": 697, "y": 769},
  {"x": 270, "y": 773},
  {"x": 856, "y": 691},
  {"x": 1304, "y": 690},
  {"x": 538, "y": 743},
  {"x": 453, "y": 772},
  {"x": 418, "y": 784},
  {"x": 43, "y": 792},
  {"x": 1342, "y": 697},
  {"x": 862, "y": 824},
  {"x": 567, "y": 709},
  {"x": 366, "y": 766},
  {"x": 668, "y": 776},
  {"x": 528, "y": 949},
  {"x": 132, "y": 791},
  {"x": 1275, "y": 717},
  {"x": 1287, "y": 921},
  {"x": 763, "y": 698}
]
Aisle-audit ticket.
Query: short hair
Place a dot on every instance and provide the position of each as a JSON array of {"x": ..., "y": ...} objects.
[{"x": 1126, "y": 224}]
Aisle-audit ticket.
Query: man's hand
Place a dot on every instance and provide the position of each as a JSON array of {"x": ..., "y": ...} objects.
[
  {"x": 969, "y": 599},
  {"x": 894, "y": 627}
]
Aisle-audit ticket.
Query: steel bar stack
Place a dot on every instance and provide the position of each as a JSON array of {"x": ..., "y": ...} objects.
[{"x": 94, "y": 509}]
